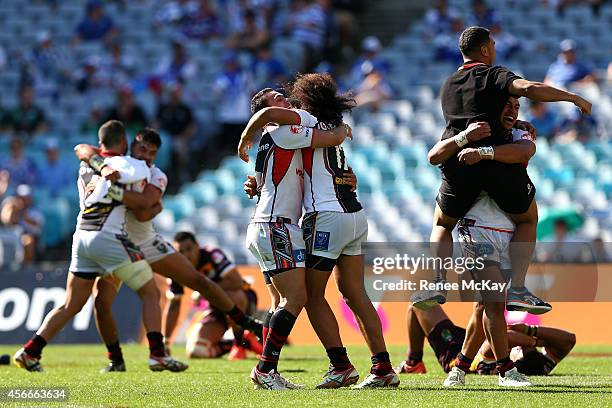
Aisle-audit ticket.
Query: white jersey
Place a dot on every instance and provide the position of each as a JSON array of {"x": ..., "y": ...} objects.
[
  {"x": 140, "y": 231},
  {"x": 279, "y": 172},
  {"x": 485, "y": 213},
  {"x": 324, "y": 169},
  {"x": 106, "y": 214}
]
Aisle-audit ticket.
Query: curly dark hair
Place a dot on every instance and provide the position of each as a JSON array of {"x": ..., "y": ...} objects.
[{"x": 318, "y": 94}]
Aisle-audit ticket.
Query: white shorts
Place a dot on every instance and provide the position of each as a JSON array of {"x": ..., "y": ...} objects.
[
  {"x": 491, "y": 244},
  {"x": 330, "y": 234},
  {"x": 101, "y": 252},
  {"x": 276, "y": 245},
  {"x": 155, "y": 248}
]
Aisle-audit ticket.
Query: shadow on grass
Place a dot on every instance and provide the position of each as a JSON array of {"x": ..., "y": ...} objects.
[{"x": 536, "y": 389}]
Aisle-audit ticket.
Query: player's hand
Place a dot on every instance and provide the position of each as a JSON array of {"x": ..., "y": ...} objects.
[
  {"x": 469, "y": 156},
  {"x": 84, "y": 151},
  {"x": 528, "y": 127},
  {"x": 348, "y": 130},
  {"x": 243, "y": 146},
  {"x": 350, "y": 178},
  {"x": 582, "y": 104},
  {"x": 477, "y": 131},
  {"x": 250, "y": 186},
  {"x": 110, "y": 174}
]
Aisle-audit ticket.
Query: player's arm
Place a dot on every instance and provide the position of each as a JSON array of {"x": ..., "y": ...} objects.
[
  {"x": 557, "y": 342},
  {"x": 150, "y": 196},
  {"x": 520, "y": 151},
  {"x": 539, "y": 91},
  {"x": 330, "y": 138},
  {"x": 447, "y": 148},
  {"x": 147, "y": 214},
  {"x": 231, "y": 280}
]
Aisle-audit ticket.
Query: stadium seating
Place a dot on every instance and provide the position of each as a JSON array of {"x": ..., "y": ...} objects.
[{"x": 388, "y": 154}]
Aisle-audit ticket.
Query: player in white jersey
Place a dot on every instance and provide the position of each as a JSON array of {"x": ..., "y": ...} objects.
[
  {"x": 334, "y": 227},
  {"x": 100, "y": 247},
  {"x": 144, "y": 203},
  {"x": 486, "y": 231},
  {"x": 273, "y": 235}
]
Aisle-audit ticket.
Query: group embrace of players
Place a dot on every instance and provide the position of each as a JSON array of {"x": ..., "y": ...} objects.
[{"x": 302, "y": 173}]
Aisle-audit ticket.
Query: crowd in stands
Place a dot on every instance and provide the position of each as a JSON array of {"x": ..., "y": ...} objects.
[{"x": 244, "y": 33}]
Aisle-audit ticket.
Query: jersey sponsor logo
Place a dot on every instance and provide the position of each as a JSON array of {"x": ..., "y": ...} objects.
[
  {"x": 299, "y": 255},
  {"x": 321, "y": 242},
  {"x": 263, "y": 147},
  {"x": 295, "y": 129}
]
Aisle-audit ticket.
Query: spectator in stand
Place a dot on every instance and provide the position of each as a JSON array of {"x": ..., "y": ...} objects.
[
  {"x": 128, "y": 112},
  {"x": 506, "y": 44},
  {"x": 233, "y": 89},
  {"x": 561, "y": 5},
  {"x": 235, "y": 12},
  {"x": 27, "y": 119},
  {"x": 19, "y": 215},
  {"x": 91, "y": 125},
  {"x": 600, "y": 253},
  {"x": 96, "y": 26},
  {"x": 307, "y": 25},
  {"x": 268, "y": 71},
  {"x": 47, "y": 67},
  {"x": 177, "y": 67},
  {"x": 446, "y": 44},
  {"x": 344, "y": 16},
  {"x": 577, "y": 127},
  {"x": 21, "y": 169},
  {"x": 54, "y": 174},
  {"x": 174, "y": 12},
  {"x": 176, "y": 118},
  {"x": 483, "y": 16},
  {"x": 117, "y": 69},
  {"x": 370, "y": 47},
  {"x": 439, "y": 19},
  {"x": 567, "y": 70},
  {"x": 564, "y": 247},
  {"x": 251, "y": 37},
  {"x": 89, "y": 77},
  {"x": 2, "y": 58},
  {"x": 202, "y": 23},
  {"x": 5, "y": 178},
  {"x": 374, "y": 89},
  {"x": 545, "y": 120}
]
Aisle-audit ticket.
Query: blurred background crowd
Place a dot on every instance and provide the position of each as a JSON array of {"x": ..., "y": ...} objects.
[{"x": 189, "y": 68}]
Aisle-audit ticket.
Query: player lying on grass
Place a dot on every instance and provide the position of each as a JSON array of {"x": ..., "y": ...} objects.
[
  {"x": 446, "y": 340},
  {"x": 144, "y": 203},
  {"x": 334, "y": 226},
  {"x": 101, "y": 247},
  {"x": 206, "y": 341},
  {"x": 477, "y": 92},
  {"x": 273, "y": 235},
  {"x": 486, "y": 231}
]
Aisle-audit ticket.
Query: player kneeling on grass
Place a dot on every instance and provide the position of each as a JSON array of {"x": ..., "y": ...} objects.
[
  {"x": 207, "y": 340},
  {"x": 144, "y": 203},
  {"x": 446, "y": 340},
  {"x": 101, "y": 247}
]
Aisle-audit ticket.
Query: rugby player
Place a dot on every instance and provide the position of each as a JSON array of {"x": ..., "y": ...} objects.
[
  {"x": 477, "y": 92},
  {"x": 273, "y": 236},
  {"x": 486, "y": 230},
  {"x": 144, "y": 203},
  {"x": 101, "y": 247},
  {"x": 446, "y": 339},
  {"x": 206, "y": 342},
  {"x": 334, "y": 227}
]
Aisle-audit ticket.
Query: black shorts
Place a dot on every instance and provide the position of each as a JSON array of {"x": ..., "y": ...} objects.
[
  {"x": 508, "y": 184},
  {"x": 446, "y": 340},
  {"x": 534, "y": 363}
]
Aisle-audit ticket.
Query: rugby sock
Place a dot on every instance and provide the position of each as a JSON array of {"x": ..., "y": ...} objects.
[
  {"x": 156, "y": 344},
  {"x": 114, "y": 353},
  {"x": 245, "y": 321},
  {"x": 414, "y": 357},
  {"x": 35, "y": 345},
  {"x": 238, "y": 335},
  {"x": 338, "y": 358},
  {"x": 281, "y": 324},
  {"x": 381, "y": 364},
  {"x": 504, "y": 365},
  {"x": 464, "y": 363},
  {"x": 266, "y": 327}
]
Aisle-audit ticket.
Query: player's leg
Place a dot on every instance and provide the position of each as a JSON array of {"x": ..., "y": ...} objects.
[
  {"x": 206, "y": 341},
  {"x": 78, "y": 290},
  {"x": 341, "y": 372},
  {"x": 274, "y": 301},
  {"x": 105, "y": 292},
  {"x": 177, "y": 267},
  {"x": 243, "y": 339},
  {"x": 416, "y": 342}
]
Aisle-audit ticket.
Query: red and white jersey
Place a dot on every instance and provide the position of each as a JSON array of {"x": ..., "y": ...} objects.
[
  {"x": 140, "y": 231},
  {"x": 324, "y": 169},
  {"x": 279, "y": 172},
  {"x": 486, "y": 214}
]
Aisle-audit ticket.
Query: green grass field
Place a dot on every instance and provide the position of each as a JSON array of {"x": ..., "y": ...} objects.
[{"x": 583, "y": 379}]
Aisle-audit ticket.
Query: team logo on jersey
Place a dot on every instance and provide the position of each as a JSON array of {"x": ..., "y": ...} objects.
[
  {"x": 299, "y": 255},
  {"x": 321, "y": 242},
  {"x": 295, "y": 129}
]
